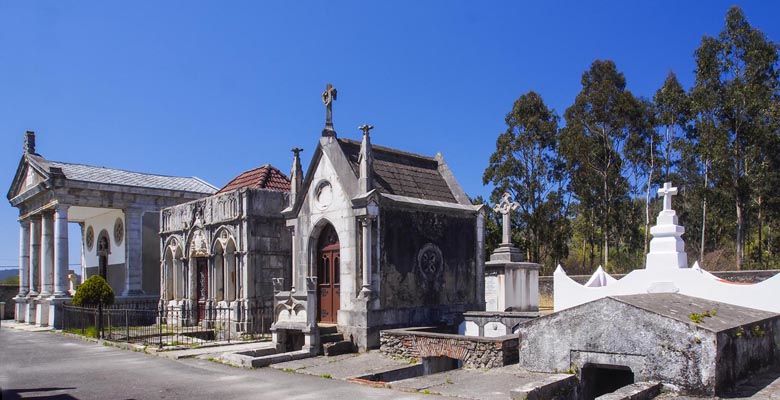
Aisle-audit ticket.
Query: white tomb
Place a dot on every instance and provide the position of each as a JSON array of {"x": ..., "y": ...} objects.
[{"x": 666, "y": 271}]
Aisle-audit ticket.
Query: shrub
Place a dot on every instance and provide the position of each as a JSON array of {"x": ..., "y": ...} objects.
[{"x": 94, "y": 291}]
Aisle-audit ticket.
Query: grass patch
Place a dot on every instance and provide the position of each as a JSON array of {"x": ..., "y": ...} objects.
[
  {"x": 326, "y": 376},
  {"x": 90, "y": 332}
]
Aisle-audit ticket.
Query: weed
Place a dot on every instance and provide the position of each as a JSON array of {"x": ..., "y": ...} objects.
[
  {"x": 698, "y": 318},
  {"x": 757, "y": 331},
  {"x": 288, "y": 370},
  {"x": 326, "y": 376},
  {"x": 448, "y": 381},
  {"x": 426, "y": 391}
]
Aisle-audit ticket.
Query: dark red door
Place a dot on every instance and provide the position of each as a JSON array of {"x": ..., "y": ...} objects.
[
  {"x": 203, "y": 285},
  {"x": 328, "y": 276}
]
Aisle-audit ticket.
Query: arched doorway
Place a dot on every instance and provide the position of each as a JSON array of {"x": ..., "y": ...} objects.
[{"x": 328, "y": 275}]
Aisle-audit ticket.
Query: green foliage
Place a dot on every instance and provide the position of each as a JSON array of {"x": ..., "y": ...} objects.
[
  {"x": 90, "y": 332},
  {"x": 11, "y": 280},
  {"x": 698, "y": 318},
  {"x": 94, "y": 291}
]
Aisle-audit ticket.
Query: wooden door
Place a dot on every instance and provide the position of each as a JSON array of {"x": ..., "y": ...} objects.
[
  {"x": 328, "y": 277},
  {"x": 202, "y": 286}
]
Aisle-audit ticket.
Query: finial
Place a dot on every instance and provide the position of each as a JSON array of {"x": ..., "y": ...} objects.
[
  {"x": 297, "y": 151},
  {"x": 328, "y": 96},
  {"x": 29, "y": 142},
  {"x": 366, "y": 128}
]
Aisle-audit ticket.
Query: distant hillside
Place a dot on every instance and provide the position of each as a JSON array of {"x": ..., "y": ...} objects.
[{"x": 7, "y": 273}]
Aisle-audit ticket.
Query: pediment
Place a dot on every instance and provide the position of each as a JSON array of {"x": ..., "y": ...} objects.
[{"x": 26, "y": 178}]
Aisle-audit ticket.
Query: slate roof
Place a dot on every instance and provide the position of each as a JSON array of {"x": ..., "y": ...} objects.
[
  {"x": 264, "y": 177},
  {"x": 679, "y": 307},
  {"x": 112, "y": 176},
  {"x": 400, "y": 173}
]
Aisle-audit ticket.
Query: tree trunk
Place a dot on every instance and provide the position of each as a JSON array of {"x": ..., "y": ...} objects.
[
  {"x": 704, "y": 210},
  {"x": 760, "y": 233},
  {"x": 740, "y": 234}
]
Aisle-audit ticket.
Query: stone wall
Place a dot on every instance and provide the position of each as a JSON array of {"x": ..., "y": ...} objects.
[
  {"x": 427, "y": 259},
  {"x": 546, "y": 282},
  {"x": 474, "y": 352},
  {"x": 7, "y": 293}
]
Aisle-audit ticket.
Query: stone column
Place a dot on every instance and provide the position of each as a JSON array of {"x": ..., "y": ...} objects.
[
  {"x": 47, "y": 253},
  {"x": 480, "y": 257},
  {"x": 61, "y": 251},
  {"x": 293, "y": 259},
  {"x": 35, "y": 254},
  {"x": 365, "y": 291},
  {"x": 24, "y": 257},
  {"x": 133, "y": 249}
]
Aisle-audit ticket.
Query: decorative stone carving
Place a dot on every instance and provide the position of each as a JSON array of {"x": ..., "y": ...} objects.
[
  {"x": 89, "y": 238},
  {"x": 430, "y": 262},
  {"x": 323, "y": 195},
  {"x": 199, "y": 246},
  {"x": 119, "y": 231}
]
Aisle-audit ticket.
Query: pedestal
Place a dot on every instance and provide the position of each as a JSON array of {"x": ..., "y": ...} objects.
[
  {"x": 55, "y": 311},
  {"x": 510, "y": 283},
  {"x": 20, "y": 308},
  {"x": 42, "y": 312}
]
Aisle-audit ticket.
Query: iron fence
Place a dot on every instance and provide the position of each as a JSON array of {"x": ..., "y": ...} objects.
[{"x": 169, "y": 326}]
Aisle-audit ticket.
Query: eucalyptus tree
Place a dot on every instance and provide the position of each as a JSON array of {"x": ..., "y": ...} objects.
[
  {"x": 605, "y": 133},
  {"x": 735, "y": 92},
  {"x": 526, "y": 164}
]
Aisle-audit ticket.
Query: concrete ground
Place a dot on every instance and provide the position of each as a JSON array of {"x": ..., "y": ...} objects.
[{"x": 49, "y": 365}]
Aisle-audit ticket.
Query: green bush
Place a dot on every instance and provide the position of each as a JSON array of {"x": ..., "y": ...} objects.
[{"x": 93, "y": 292}]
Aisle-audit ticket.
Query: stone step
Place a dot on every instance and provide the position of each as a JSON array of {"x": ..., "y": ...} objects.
[
  {"x": 636, "y": 391},
  {"x": 331, "y": 338},
  {"x": 326, "y": 329},
  {"x": 336, "y": 348},
  {"x": 554, "y": 387}
]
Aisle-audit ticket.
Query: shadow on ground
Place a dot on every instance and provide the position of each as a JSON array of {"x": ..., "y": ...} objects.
[{"x": 37, "y": 393}]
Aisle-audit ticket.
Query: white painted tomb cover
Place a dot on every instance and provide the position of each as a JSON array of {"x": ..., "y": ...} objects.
[{"x": 666, "y": 271}]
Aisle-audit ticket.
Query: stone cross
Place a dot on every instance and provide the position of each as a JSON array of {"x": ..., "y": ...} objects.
[
  {"x": 328, "y": 96},
  {"x": 505, "y": 207},
  {"x": 667, "y": 192},
  {"x": 366, "y": 128}
]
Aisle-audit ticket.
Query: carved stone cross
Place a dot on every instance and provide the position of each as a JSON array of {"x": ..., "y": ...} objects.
[
  {"x": 328, "y": 96},
  {"x": 366, "y": 128},
  {"x": 505, "y": 207},
  {"x": 667, "y": 192}
]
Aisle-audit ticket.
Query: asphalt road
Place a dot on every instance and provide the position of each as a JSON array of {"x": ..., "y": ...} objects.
[{"x": 47, "y": 365}]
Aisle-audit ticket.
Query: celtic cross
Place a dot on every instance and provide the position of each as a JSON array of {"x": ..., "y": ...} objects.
[{"x": 505, "y": 207}]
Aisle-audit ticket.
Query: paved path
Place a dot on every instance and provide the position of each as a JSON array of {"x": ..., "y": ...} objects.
[{"x": 51, "y": 366}]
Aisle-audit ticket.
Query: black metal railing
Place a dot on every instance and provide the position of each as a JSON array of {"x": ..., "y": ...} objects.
[{"x": 169, "y": 326}]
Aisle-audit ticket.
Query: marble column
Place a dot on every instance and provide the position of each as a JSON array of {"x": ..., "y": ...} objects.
[
  {"x": 35, "y": 254},
  {"x": 133, "y": 250},
  {"x": 47, "y": 253},
  {"x": 293, "y": 259},
  {"x": 24, "y": 257},
  {"x": 366, "y": 221},
  {"x": 61, "y": 251}
]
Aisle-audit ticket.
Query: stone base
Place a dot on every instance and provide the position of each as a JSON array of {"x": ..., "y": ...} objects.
[
  {"x": 20, "y": 309},
  {"x": 511, "y": 286},
  {"x": 55, "y": 311},
  {"x": 508, "y": 253},
  {"x": 42, "y": 312}
]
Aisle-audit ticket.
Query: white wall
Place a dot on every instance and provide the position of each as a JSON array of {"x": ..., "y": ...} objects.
[{"x": 99, "y": 223}]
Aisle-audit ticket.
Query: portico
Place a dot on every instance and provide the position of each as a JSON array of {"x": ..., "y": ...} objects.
[{"x": 115, "y": 210}]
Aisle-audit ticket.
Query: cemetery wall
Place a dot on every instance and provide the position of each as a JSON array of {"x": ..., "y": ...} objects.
[
  {"x": 7, "y": 293},
  {"x": 546, "y": 282}
]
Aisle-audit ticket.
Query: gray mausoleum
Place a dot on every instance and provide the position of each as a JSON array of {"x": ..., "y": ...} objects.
[
  {"x": 220, "y": 253},
  {"x": 381, "y": 238}
]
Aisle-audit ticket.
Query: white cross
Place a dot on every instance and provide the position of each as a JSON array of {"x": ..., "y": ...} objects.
[
  {"x": 505, "y": 207},
  {"x": 667, "y": 192}
]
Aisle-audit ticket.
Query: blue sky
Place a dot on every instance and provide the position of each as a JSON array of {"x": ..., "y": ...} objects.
[{"x": 211, "y": 89}]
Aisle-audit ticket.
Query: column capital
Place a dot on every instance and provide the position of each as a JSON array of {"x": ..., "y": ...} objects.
[
  {"x": 366, "y": 219},
  {"x": 61, "y": 208},
  {"x": 24, "y": 223}
]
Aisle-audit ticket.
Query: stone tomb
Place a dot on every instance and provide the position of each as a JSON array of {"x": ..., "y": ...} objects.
[{"x": 702, "y": 347}]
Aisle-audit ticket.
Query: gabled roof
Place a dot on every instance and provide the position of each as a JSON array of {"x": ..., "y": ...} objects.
[
  {"x": 399, "y": 173},
  {"x": 264, "y": 177},
  {"x": 109, "y": 176}
]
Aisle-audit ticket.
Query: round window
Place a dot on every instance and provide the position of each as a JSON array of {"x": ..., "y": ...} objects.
[
  {"x": 89, "y": 238},
  {"x": 119, "y": 231},
  {"x": 323, "y": 196}
]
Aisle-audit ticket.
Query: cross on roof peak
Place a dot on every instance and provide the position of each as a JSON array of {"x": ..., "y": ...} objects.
[{"x": 667, "y": 191}]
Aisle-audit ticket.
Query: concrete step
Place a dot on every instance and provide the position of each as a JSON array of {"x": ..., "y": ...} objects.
[
  {"x": 331, "y": 338},
  {"x": 636, "y": 391},
  {"x": 336, "y": 348}
]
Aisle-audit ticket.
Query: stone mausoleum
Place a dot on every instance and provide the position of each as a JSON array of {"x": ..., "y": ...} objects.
[
  {"x": 381, "y": 238},
  {"x": 220, "y": 253},
  {"x": 118, "y": 212}
]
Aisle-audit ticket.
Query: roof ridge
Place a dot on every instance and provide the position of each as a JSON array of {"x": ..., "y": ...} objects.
[{"x": 375, "y": 147}]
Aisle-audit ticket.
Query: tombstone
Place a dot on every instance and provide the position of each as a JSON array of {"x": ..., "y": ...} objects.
[{"x": 511, "y": 283}]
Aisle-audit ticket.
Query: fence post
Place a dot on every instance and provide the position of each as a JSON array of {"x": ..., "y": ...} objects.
[
  {"x": 230, "y": 311},
  {"x": 159, "y": 323},
  {"x": 100, "y": 320},
  {"x": 127, "y": 328}
]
